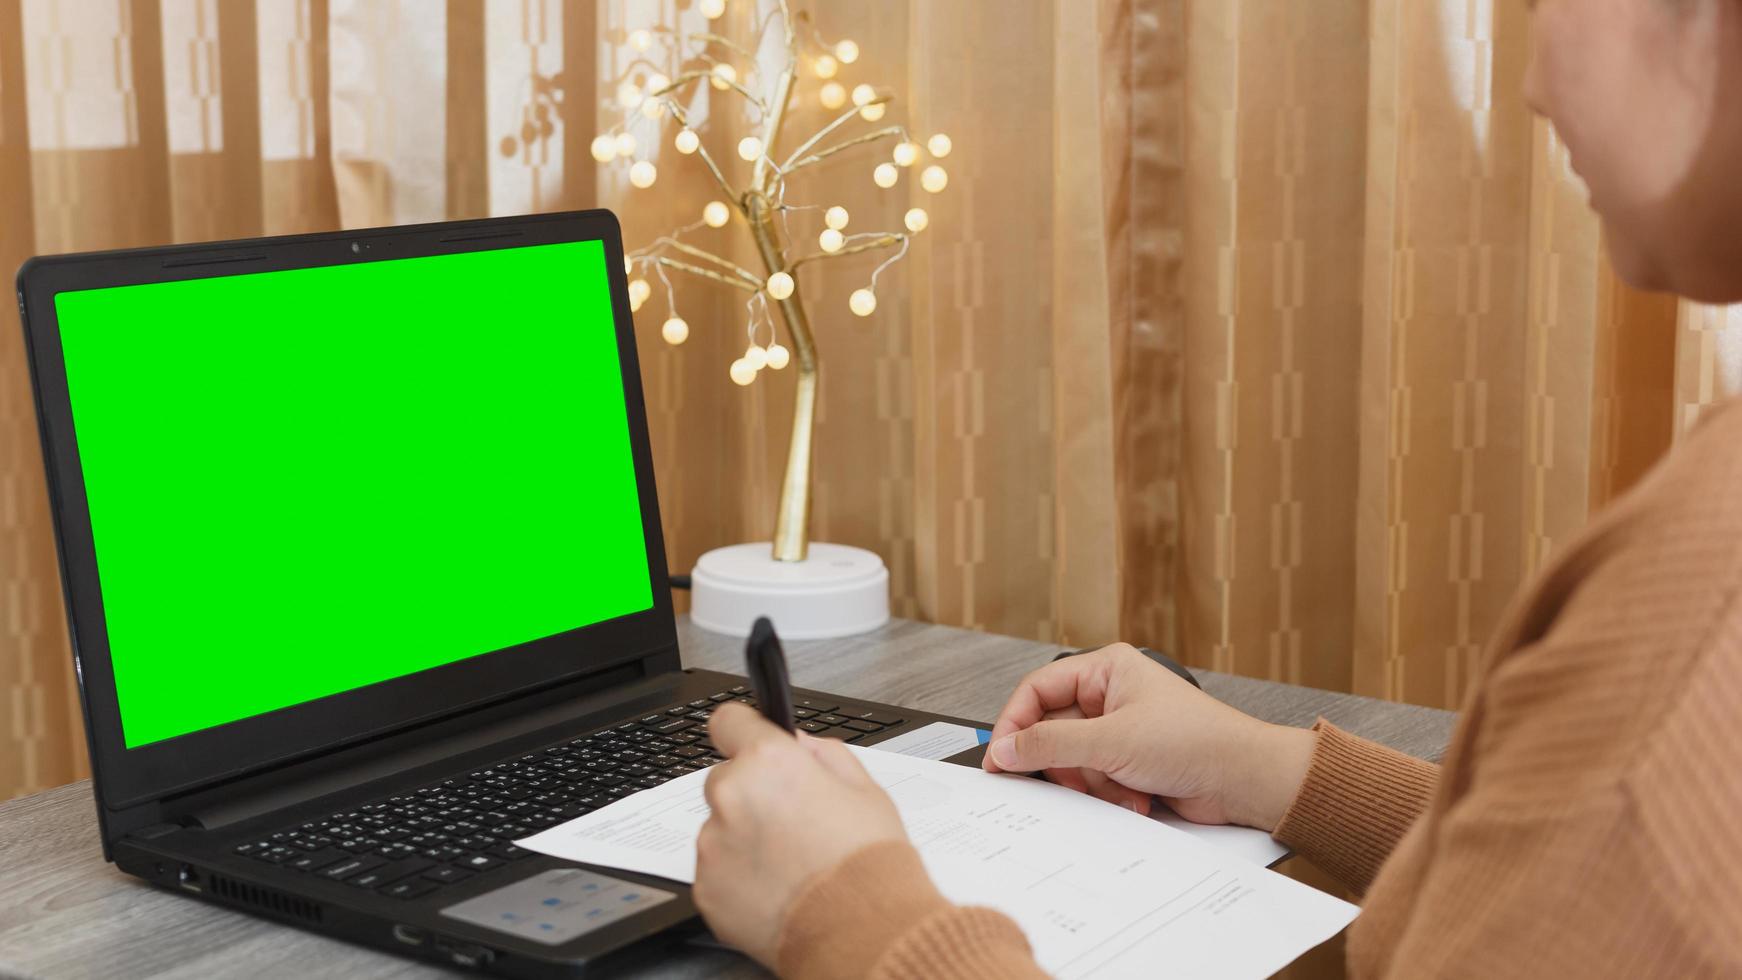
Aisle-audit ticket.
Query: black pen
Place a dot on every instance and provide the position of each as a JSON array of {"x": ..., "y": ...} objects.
[{"x": 766, "y": 664}]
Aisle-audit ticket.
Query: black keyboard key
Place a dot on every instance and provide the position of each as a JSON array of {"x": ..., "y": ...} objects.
[
  {"x": 829, "y": 719},
  {"x": 353, "y": 866},
  {"x": 479, "y": 862},
  {"x": 671, "y": 726},
  {"x": 410, "y": 889},
  {"x": 571, "y": 811},
  {"x": 510, "y": 852},
  {"x": 276, "y": 854},
  {"x": 446, "y": 852},
  {"x": 803, "y": 713},
  {"x": 316, "y": 860},
  {"x": 390, "y": 873},
  {"x": 650, "y": 720},
  {"x": 688, "y": 751},
  {"x": 872, "y": 715},
  {"x": 813, "y": 704},
  {"x": 843, "y": 734},
  {"x": 683, "y": 739},
  {"x": 812, "y": 726},
  {"x": 722, "y": 696},
  {"x": 447, "y": 874},
  {"x": 680, "y": 710},
  {"x": 740, "y": 689},
  {"x": 864, "y": 726}
]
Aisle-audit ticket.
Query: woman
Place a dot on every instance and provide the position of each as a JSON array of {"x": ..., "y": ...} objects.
[{"x": 1586, "y": 820}]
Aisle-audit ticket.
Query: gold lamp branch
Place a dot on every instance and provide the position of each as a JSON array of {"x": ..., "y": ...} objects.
[{"x": 646, "y": 98}]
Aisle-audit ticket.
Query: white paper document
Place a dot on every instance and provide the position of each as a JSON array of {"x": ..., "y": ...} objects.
[
  {"x": 940, "y": 740},
  {"x": 1099, "y": 890}
]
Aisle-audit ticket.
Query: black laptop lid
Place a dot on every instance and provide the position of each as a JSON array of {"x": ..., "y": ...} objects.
[{"x": 311, "y": 490}]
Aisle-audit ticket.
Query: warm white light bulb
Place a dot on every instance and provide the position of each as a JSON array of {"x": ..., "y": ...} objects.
[
  {"x": 916, "y": 220},
  {"x": 712, "y": 9},
  {"x": 780, "y": 285},
  {"x": 643, "y": 174},
  {"x": 939, "y": 145},
  {"x": 652, "y": 108},
  {"x": 641, "y": 39},
  {"x": 687, "y": 141},
  {"x": 934, "y": 179},
  {"x": 862, "y": 302},
  {"x": 833, "y": 95},
  {"x": 831, "y": 240},
  {"x": 847, "y": 51},
  {"x": 657, "y": 83},
  {"x": 872, "y": 113},
  {"x": 675, "y": 331},
  {"x": 742, "y": 373},
  {"x": 836, "y": 217},
  {"x": 723, "y": 76},
  {"x": 778, "y": 356},
  {"x": 863, "y": 94},
  {"x": 885, "y": 175},
  {"x": 628, "y": 95},
  {"x": 625, "y": 144},
  {"x": 639, "y": 290},
  {"x": 628, "y": 265},
  {"x": 604, "y": 148},
  {"x": 906, "y": 153},
  {"x": 715, "y": 214},
  {"x": 825, "y": 66},
  {"x": 749, "y": 148},
  {"x": 757, "y": 357}
]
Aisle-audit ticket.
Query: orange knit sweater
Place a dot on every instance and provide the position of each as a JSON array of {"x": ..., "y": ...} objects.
[{"x": 1587, "y": 823}]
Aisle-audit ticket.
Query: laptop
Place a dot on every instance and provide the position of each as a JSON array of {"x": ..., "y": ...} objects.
[{"x": 362, "y": 558}]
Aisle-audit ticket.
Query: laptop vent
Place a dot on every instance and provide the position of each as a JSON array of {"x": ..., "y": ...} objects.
[{"x": 263, "y": 899}]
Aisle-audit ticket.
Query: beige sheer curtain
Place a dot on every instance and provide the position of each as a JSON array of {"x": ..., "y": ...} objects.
[{"x": 1273, "y": 333}]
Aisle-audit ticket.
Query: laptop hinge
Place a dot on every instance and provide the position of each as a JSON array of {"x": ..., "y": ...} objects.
[{"x": 157, "y": 830}]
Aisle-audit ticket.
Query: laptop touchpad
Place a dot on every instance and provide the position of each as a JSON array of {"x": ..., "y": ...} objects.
[{"x": 556, "y": 906}]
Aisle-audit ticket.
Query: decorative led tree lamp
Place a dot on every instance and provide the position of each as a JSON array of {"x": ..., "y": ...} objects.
[{"x": 809, "y": 590}]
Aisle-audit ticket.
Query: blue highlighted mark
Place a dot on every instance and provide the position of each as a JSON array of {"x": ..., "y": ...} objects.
[
  {"x": 632, "y": 896},
  {"x": 982, "y": 735},
  {"x": 547, "y": 927},
  {"x": 553, "y": 901}
]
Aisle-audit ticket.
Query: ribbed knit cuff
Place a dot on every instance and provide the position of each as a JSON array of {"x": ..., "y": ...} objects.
[
  {"x": 957, "y": 943},
  {"x": 877, "y": 914},
  {"x": 845, "y": 919},
  {"x": 1356, "y": 803}
]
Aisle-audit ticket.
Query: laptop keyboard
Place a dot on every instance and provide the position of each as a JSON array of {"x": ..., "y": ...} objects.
[{"x": 411, "y": 844}]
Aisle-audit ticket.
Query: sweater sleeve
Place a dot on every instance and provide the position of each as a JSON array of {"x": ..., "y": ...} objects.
[
  {"x": 1356, "y": 803},
  {"x": 877, "y": 916}
]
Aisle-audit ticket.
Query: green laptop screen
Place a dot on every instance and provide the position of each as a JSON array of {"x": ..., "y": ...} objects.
[{"x": 304, "y": 482}]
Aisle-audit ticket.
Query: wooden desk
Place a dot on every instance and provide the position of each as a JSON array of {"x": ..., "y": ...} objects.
[{"x": 65, "y": 913}]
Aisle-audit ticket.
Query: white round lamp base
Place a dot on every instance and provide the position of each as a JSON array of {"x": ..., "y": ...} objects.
[{"x": 836, "y": 591}]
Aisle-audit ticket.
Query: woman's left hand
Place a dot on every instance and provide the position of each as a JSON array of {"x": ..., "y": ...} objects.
[{"x": 785, "y": 809}]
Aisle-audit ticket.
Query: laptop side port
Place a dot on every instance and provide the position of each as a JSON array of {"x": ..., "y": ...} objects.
[
  {"x": 410, "y": 935},
  {"x": 465, "y": 954},
  {"x": 188, "y": 878}
]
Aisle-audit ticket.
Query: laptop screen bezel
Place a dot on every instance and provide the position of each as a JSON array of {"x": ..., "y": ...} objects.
[{"x": 126, "y": 777}]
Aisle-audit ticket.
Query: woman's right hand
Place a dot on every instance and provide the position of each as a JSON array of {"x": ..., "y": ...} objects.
[{"x": 1118, "y": 725}]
